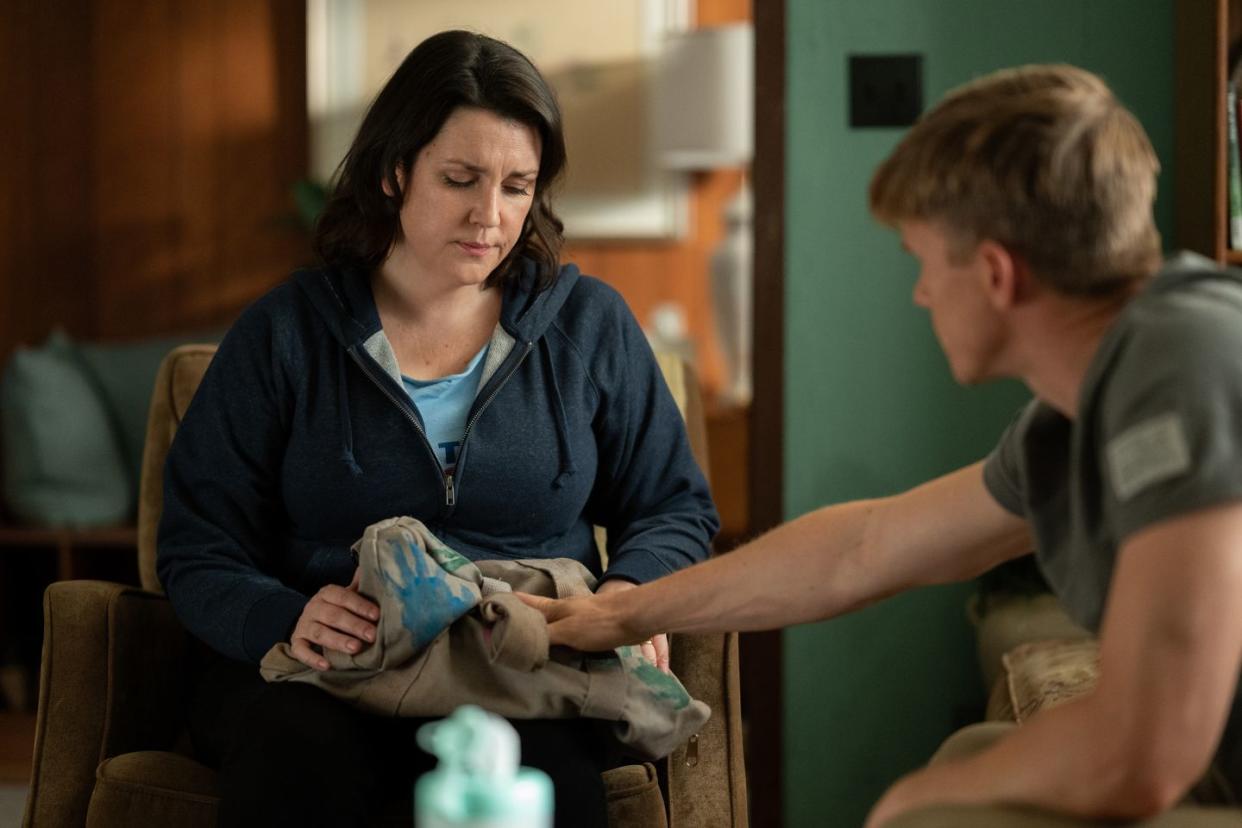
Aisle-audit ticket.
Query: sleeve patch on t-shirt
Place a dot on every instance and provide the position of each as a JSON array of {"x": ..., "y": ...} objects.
[{"x": 1147, "y": 453}]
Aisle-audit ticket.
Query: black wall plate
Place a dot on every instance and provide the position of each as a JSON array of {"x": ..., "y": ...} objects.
[{"x": 885, "y": 90}]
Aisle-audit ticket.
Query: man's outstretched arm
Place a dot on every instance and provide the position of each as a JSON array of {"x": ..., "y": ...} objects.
[
  {"x": 1170, "y": 651},
  {"x": 827, "y": 562}
]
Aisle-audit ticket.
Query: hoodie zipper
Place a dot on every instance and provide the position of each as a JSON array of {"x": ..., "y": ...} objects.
[
  {"x": 450, "y": 490},
  {"x": 450, "y": 496},
  {"x": 450, "y": 485}
]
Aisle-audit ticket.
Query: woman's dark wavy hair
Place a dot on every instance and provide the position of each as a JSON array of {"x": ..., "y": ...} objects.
[{"x": 360, "y": 222}]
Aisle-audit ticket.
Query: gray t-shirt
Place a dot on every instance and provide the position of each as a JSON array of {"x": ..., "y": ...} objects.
[{"x": 1158, "y": 434}]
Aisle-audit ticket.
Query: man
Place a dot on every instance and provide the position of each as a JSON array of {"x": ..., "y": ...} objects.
[{"x": 1026, "y": 198}]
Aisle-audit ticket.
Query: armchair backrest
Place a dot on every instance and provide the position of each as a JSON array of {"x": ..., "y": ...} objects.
[
  {"x": 683, "y": 382},
  {"x": 175, "y": 383}
]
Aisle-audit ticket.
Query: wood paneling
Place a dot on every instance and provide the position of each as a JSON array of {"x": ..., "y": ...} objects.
[
  {"x": 46, "y": 172},
  {"x": 728, "y": 446},
  {"x": 147, "y": 170}
]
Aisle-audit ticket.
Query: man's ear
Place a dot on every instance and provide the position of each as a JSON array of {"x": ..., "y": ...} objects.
[{"x": 1005, "y": 273}]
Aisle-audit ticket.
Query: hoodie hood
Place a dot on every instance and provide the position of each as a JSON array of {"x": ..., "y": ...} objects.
[
  {"x": 525, "y": 312},
  {"x": 344, "y": 300}
]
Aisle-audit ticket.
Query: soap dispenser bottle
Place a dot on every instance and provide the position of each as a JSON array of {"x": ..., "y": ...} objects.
[{"x": 477, "y": 783}]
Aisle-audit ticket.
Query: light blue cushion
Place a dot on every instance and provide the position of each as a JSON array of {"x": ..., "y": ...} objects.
[
  {"x": 63, "y": 465},
  {"x": 124, "y": 374}
]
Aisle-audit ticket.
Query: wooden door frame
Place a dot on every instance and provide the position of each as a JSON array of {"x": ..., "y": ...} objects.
[{"x": 762, "y": 656}]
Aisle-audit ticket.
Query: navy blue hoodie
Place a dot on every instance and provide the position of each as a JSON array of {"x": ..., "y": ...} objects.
[{"x": 301, "y": 435}]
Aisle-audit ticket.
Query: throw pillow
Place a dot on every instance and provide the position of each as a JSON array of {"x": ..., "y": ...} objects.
[
  {"x": 1044, "y": 674},
  {"x": 62, "y": 464},
  {"x": 123, "y": 374}
]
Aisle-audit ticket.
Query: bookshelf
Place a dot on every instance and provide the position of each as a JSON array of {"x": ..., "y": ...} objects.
[{"x": 1203, "y": 31}]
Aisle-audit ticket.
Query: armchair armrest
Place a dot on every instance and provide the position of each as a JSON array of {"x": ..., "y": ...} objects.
[
  {"x": 707, "y": 776},
  {"x": 110, "y": 683}
]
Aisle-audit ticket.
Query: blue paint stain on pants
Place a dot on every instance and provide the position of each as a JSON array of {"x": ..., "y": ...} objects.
[{"x": 430, "y": 598}]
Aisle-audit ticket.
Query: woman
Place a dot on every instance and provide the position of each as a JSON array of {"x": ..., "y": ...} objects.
[{"x": 441, "y": 364}]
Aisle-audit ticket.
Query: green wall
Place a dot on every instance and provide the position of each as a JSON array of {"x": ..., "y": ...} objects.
[{"x": 870, "y": 406}]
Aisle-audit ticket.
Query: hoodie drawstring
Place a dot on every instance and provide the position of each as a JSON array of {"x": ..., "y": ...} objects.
[
  {"x": 347, "y": 426},
  {"x": 567, "y": 466}
]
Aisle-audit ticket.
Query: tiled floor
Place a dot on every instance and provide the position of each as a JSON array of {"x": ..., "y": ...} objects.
[{"x": 12, "y": 802}]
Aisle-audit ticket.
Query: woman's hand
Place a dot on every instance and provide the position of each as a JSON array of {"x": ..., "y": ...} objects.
[
  {"x": 654, "y": 649},
  {"x": 335, "y": 618}
]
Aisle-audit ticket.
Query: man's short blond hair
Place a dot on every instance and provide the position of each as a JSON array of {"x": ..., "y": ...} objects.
[{"x": 1042, "y": 159}]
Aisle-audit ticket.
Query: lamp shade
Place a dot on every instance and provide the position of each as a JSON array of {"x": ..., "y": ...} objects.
[{"x": 704, "y": 98}]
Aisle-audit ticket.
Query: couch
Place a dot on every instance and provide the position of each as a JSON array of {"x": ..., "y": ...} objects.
[{"x": 1033, "y": 657}]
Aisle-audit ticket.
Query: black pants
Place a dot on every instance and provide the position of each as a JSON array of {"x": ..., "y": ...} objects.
[{"x": 290, "y": 754}]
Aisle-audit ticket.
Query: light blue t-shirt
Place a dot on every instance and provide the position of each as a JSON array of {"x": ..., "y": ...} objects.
[{"x": 444, "y": 404}]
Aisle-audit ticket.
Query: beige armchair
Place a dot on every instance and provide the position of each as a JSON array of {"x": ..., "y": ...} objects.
[{"x": 110, "y": 744}]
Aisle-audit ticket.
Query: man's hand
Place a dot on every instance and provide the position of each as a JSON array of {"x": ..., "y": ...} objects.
[
  {"x": 655, "y": 648},
  {"x": 335, "y": 618},
  {"x": 590, "y": 623}
]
